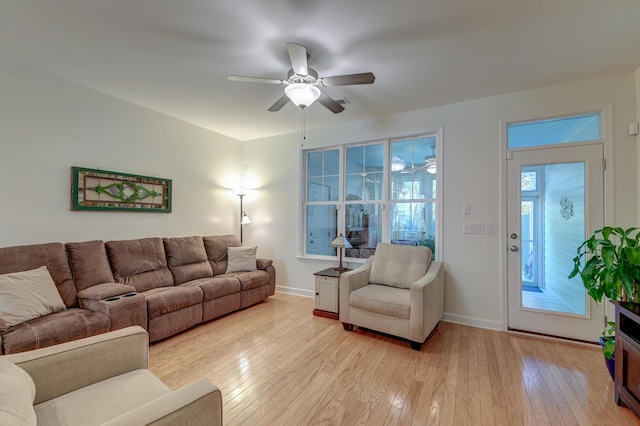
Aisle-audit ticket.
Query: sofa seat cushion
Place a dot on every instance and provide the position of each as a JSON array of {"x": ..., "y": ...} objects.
[
  {"x": 103, "y": 401},
  {"x": 52, "y": 329},
  {"x": 217, "y": 287},
  {"x": 382, "y": 299},
  {"x": 164, "y": 300},
  {"x": 249, "y": 280}
]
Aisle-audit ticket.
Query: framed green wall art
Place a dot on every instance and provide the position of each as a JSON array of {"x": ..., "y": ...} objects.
[{"x": 103, "y": 190}]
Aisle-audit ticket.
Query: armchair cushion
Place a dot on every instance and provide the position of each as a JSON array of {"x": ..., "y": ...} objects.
[
  {"x": 399, "y": 266},
  {"x": 17, "y": 393},
  {"x": 382, "y": 299}
]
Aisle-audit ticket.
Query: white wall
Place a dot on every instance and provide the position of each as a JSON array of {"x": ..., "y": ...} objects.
[
  {"x": 48, "y": 125},
  {"x": 472, "y": 175}
]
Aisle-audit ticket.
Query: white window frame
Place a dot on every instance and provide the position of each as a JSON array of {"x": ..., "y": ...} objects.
[{"x": 385, "y": 203}]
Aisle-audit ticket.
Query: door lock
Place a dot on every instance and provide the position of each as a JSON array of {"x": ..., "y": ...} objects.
[{"x": 513, "y": 236}]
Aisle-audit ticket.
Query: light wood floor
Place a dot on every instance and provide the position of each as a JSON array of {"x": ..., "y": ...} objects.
[{"x": 277, "y": 364}]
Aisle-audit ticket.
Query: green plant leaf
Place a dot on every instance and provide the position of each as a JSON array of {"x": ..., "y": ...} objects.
[
  {"x": 609, "y": 348},
  {"x": 633, "y": 255},
  {"x": 609, "y": 255}
]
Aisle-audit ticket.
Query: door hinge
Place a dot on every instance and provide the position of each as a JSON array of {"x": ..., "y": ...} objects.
[{"x": 604, "y": 164}]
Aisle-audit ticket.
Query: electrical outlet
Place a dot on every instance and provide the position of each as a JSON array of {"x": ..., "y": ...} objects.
[
  {"x": 488, "y": 228},
  {"x": 473, "y": 228}
]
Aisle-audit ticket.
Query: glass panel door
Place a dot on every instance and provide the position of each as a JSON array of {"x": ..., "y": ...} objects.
[{"x": 554, "y": 200}]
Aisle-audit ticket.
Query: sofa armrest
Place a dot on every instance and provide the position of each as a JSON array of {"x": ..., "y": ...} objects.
[
  {"x": 199, "y": 403},
  {"x": 106, "y": 290},
  {"x": 427, "y": 302},
  {"x": 263, "y": 263},
  {"x": 60, "y": 369},
  {"x": 350, "y": 281}
]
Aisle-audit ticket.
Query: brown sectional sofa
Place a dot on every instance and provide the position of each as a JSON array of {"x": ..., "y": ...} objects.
[{"x": 165, "y": 285}]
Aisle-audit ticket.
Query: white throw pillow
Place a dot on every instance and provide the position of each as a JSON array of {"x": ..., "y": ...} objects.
[
  {"x": 28, "y": 295},
  {"x": 241, "y": 259},
  {"x": 17, "y": 393}
]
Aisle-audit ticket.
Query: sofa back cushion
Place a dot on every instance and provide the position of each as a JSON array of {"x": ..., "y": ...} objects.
[
  {"x": 139, "y": 263},
  {"x": 89, "y": 264},
  {"x": 216, "y": 248},
  {"x": 399, "y": 266},
  {"x": 51, "y": 255},
  {"x": 187, "y": 259},
  {"x": 17, "y": 394}
]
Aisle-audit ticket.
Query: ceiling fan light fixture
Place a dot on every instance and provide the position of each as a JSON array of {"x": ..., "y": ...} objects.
[
  {"x": 397, "y": 164},
  {"x": 302, "y": 94}
]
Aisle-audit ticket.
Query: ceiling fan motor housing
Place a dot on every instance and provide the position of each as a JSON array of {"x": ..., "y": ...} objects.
[{"x": 310, "y": 78}]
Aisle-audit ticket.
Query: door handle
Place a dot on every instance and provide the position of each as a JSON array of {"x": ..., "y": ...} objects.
[
  {"x": 513, "y": 236},
  {"x": 513, "y": 248}
]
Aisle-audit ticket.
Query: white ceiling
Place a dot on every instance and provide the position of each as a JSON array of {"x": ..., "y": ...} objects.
[{"x": 173, "y": 56}]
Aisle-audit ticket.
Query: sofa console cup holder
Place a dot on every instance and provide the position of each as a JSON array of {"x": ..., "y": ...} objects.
[{"x": 114, "y": 298}]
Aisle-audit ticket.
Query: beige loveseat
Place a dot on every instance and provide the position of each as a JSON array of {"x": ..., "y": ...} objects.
[
  {"x": 99, "y": 380},
  {"x": 398, "y": 291},
  {"x": 164, "y": 285}
]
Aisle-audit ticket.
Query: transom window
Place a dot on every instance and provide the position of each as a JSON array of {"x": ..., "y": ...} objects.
[{"x": 383, "y": 191}]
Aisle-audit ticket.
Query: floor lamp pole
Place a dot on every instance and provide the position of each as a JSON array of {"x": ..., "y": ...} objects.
[{"x": 241, "y": 195}]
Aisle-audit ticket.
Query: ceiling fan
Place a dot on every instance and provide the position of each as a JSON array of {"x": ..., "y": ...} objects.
[{"x": 302, "y": 83}]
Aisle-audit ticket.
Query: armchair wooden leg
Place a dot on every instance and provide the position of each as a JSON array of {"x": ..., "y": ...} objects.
[
  {"x": 416, "y": 346},
  {"x": 348, "y": 327}
]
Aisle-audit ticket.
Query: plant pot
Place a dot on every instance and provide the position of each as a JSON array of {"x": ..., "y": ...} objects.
[{"x": 610, "y": 362}]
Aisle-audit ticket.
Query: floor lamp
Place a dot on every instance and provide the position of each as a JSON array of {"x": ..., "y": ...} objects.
[{"x": 244, "y": 219}]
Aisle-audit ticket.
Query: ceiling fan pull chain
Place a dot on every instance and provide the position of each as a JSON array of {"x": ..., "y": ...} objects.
[{"x": 304, "y": 131}]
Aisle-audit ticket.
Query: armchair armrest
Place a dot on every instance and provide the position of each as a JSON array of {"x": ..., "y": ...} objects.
[
  {"x": 427, "y": 302},
  {"x": 350, "y": 281},
  {"x": 60, "y": 369},
  {"x": 199, "y": 403}
]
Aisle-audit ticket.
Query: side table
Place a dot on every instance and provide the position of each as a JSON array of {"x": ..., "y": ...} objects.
[{"x": 328, "y": 293}]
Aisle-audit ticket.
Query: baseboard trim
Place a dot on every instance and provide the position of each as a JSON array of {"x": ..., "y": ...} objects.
[
  {"x": 296, "y": 291},
  {"x": 471, "y": 321}
]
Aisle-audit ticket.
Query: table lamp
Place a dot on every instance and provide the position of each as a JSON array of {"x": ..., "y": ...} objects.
[{"x": 340, "y": 242}]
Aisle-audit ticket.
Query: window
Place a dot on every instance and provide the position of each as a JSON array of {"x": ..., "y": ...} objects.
[
  {"x": 575, "y": 128},
  {"x": 383, "y": 191},
  {"x": 413, "y": 191}
]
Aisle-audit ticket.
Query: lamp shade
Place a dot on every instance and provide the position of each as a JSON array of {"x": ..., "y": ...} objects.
[
  {"x": 245, "y": 219},
  {"x": 302, "y": 94},
  {"x": 341, "y": 242}
]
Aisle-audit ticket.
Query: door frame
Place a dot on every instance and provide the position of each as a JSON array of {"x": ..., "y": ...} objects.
[{"x": 606, "y": 129}]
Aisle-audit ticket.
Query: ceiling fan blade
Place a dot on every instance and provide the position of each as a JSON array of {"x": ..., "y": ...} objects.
[
  {"x": 254, "y": 79},
  {"x": 348, "y": 79},
  {"x": 279, "y": 104},
  {"x": 298, "y": 56},
  {"x": 331, "y": 104}
]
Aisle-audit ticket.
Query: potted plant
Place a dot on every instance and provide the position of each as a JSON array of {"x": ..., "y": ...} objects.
[{"x": 609, "y": 265}]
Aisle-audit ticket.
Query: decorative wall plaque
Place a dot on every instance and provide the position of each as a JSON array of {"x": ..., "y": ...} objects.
[{"x": 104, "y": 190}]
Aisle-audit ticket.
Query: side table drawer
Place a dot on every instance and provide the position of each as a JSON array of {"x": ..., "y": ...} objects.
[{"x": 327, "y": 293}]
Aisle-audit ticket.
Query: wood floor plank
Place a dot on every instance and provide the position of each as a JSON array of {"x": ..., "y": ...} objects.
[{"x": 277, "y": 364}]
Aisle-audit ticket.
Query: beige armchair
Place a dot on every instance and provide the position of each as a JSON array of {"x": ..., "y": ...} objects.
[
  {"x": 99, "y": 380},
  {"x": 398, "y": 291}
]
